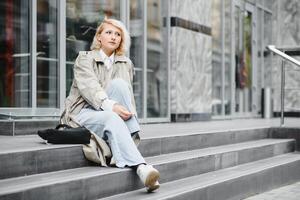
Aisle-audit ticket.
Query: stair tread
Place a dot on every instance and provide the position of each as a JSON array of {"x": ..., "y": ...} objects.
[
  {"x": 11, "y": 185},
  {"x": 26, "y": 143},
  {"x": 173, "y": 188},
  {"x": 37, "y": 180},
  {"x": 214, "y": 150},
  {"x": 34, "y": 143},
  {"x": 169, "y": 129}
]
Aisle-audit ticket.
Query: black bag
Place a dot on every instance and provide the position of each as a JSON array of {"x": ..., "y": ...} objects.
[{"x": 64, "y": 134}]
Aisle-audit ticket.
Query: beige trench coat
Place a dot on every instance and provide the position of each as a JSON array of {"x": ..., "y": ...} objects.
[{"x": 88, "y": 87}]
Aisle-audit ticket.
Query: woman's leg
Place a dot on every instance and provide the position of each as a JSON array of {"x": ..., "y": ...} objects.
[
  {"x": 109, "y": 126},
  {"x": 117, "y": 132},
  {"x": 119, "y": 91}
]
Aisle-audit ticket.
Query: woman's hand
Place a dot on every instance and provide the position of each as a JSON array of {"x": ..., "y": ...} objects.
[{"x": 122, "y": 111}]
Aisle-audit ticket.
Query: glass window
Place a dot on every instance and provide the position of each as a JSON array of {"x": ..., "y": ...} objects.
[
  {"x": 216, "y": 58},
  {"x": 157, "y": 54},
  {"x": 247, "y": 55},
  {"x": 227, "y": 49},
  {"x": 137, "y": 51},
  {"x": 238, "y": 58},
  {"x": 83, "y": 17},
  {"x": 14, "y": 54},
  {"x": 260, "y": 69},
  {"x": 47, "y": 54}
]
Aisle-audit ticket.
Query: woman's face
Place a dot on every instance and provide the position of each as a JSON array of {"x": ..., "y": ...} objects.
[{"x": 110, "y": 38}]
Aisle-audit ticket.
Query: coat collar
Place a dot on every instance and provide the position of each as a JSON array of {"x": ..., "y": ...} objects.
[{"x": 98, "y": 58}]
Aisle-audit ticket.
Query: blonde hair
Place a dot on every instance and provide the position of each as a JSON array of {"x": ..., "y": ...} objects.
[{"x": 125, "y": 37}]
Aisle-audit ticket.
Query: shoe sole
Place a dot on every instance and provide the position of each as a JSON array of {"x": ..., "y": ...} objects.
[
  {"x": 150, "y": 181},
  {"x": 154, "y": 187}
]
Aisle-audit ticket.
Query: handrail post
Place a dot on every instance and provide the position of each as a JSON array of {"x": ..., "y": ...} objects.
[
  {"x": 285, "y": 57},
  {"x": 282, "y": 92}
]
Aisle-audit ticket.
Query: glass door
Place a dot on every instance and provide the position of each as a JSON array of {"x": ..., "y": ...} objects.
[
  {"x": 82, "y": 19},
  {"x": 137, "y": 52},
  {"x": 157, "y": 60},
  {"x": 244, "y": 64},
  {"x": 149, "y": 54},
  {"x": 15, "y": 71}
]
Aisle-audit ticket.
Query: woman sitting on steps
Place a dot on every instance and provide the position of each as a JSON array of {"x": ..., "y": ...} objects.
[{"x": 101, "y": 98}]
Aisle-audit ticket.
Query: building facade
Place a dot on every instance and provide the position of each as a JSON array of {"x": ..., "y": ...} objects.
[{"x": 194, "y": 59}]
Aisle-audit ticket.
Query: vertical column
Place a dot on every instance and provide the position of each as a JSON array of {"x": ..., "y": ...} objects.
[
  {"x": 232, "y": 69},
  {"x": 33, "y": 53},
  {"x": 145, "y": 96},
  {"x": 62, "y": 52},
  {"x": 223, "y": 57}
]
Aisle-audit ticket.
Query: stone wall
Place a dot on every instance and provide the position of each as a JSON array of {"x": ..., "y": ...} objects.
[
  {"x": 190, "y": 49},
  {"x": 286, "y": 31}
]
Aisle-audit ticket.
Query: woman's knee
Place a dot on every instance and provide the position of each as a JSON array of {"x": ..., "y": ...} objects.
[
  {"x": 119, "y": 85},
  {"x": 100, "y": 117},
  {"x": 113, "y": 117}
]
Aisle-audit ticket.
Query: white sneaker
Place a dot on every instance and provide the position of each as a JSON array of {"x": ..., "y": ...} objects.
[
  {"x": 149, "y": 176},
  {"x": 154, "y": 187}
]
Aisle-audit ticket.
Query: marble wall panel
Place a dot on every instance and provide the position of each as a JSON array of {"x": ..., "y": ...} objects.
[
  {"x": 191, "y": 70},
  {"x": 286, "y": 29},
  {"x": 173, "y": 67},
  {"x": 193, "y": 10}
]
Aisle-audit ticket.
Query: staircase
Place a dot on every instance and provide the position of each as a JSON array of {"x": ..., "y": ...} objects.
[{"x": 194, "y": 164}]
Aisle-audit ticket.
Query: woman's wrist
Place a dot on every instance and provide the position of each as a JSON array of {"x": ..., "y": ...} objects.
[{"x": 108, "y": 105}]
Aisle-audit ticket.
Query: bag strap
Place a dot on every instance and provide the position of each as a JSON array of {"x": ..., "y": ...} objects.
[{"x": 62, "y": 126}]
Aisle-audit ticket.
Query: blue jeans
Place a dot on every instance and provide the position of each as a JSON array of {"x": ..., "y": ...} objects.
[{"x": 112, "y": 128}]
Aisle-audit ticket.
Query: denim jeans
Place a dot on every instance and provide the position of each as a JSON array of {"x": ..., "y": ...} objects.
[{"x": 112, "y": 128}]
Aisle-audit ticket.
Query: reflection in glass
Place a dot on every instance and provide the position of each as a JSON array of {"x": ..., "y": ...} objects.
[
  {"x": 83, "y": 17},
  {"x": 243, "y": 60},
  {"x": 136, "y": 51},
  {"x": 238, "y": 58},
  {"x": 47, "y": 54},
  {"x": 248, "y": 58},
  {"x": 260, "y": 49},
  {"x": 227, "y": 48},
  {"x": 216, "y": 58},
  {"x": 157, "y": 69},
  {"x": 14, "y": 54}
]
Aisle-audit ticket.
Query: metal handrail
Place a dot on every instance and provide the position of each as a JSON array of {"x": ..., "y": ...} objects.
[
  {"x": 290, "y": 50},
  {"x": 283, "y": 55},
  {"x": 285, "y": 58}
]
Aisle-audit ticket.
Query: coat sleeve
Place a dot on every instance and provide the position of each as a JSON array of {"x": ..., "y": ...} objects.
[
  {"x": 131, "y": 71},
  {"x": 87, "y": 82}
]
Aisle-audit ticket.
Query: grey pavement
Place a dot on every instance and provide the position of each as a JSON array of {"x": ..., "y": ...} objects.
[{"x": 289, "y": 192}]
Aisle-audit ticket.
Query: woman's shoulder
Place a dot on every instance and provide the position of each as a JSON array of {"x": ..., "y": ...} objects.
[
  {"x": 83, "y": 59},
  {"x": 84, "y": 53},
  {"x": 87, "y": 55},
  {"x": 123, "y": 58}
]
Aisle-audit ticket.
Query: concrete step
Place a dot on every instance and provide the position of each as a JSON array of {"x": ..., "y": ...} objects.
[
  {"x": 173, "y": 140},
  {"x": 189, "y": 163},
  {"x": 233, "y": 183},
  {"x": 25, "y": 155},
  {"x": 95, "y": 182},
  {"x": 25, "y": 126},
  {"x": 17, "y": 127},
  {"x": 286, "y": 192}
]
